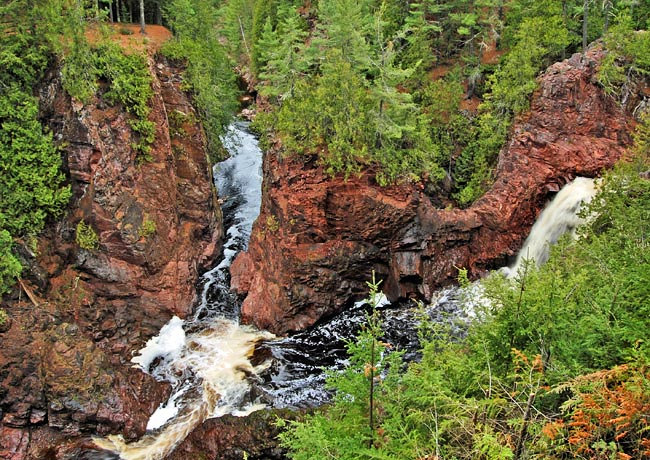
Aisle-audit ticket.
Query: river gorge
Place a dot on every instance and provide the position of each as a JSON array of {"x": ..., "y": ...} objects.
[{"x": 189, "y": 339}]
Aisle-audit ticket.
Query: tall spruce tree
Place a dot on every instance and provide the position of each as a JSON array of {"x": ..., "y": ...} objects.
[
  {"x": 282, "y": 62},
  {"x": 345, "y": 25}
]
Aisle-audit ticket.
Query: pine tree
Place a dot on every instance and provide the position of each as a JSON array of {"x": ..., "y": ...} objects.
[
  {"x": 264, "y": 11},
  {"x": 280, "y": 53},
  {"x": 345, "y": 25}
]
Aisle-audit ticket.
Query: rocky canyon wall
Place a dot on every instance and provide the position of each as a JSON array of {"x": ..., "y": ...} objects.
[
  {"x": 318, "y": 238},
  {"x": 65, "y": 369}
]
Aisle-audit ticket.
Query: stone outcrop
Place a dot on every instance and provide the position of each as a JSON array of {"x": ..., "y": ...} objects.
[
  {"x": 317, "y": 239},
  {"x": 65, "y": 369},
  {"x": 234, "y": 438}
]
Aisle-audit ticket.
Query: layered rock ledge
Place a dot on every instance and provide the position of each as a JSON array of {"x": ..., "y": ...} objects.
[
  {"x": 65, "y": 369},
  {"x": 318, "y": 238}
]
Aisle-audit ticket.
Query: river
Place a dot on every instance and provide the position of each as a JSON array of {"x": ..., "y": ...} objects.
[{"x": 208, "y": 358}]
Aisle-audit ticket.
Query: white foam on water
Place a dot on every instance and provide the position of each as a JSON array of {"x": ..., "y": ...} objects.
[
  {"x": 219, "y": 358},
  {"x": 209, "y": 369},
  {"x": 166, "y": 410},
  {"x": 380, "y": 301},
  {"x": 167, "y": 344}
]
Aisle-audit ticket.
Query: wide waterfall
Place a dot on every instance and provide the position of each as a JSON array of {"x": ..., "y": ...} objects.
[{"x": 560, "y": 216}]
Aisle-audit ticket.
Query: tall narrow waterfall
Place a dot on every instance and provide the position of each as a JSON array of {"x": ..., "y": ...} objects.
[
  {"x": 560, "y": 216},
  {"x": 207, "y": 359}
]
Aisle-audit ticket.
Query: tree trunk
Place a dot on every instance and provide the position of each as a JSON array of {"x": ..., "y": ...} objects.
[
  {"x": 110, "y": 10},
  {"x": 522, "y": 433},
  {"x": 158, "y": 19},
  {"x": 142, "y": 17},
  {"x": 117, "y": 10},
  {"x": 564, "y": 22},
  {"x": 585, "y": 22},
  {"x": 608, "y": 5}
]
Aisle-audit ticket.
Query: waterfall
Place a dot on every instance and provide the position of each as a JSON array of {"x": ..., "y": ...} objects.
[
  {"x": 207, "y": 359},
  {"x": 560, "y": 216}
]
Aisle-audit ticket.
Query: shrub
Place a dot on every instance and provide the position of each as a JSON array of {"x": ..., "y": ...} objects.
[
  {"x": 130, "y": 85},
  {"x": 86, "y": 236},
  {"x": 147, "y": 229},
  {"x": 607, "y": 414},
  {"x": 4, "y": 318},
  {"x": 10, "y": 267}
]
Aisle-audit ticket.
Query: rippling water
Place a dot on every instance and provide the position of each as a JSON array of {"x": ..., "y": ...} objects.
[{"x": 217, "y": 366}]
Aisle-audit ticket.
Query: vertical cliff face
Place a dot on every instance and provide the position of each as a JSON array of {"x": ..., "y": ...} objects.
[
  {"x": 65, "y": 364},
  {"x": 317, "y": 239}
]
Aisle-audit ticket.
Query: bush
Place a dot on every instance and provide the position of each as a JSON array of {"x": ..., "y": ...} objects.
[
  {"x": 148, "y": 228},
  {"x": 86, "y": 236},
  {"x": 32, "y": 182},
  {"x": 628, "y": 52},
  {"x": 10, "y": 267},
  {"x": 606, "y": 415},
  {"x": 130, "y": 85}
]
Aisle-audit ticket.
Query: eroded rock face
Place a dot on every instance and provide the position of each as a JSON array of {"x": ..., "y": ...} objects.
[
  {"x": 65, "y": 368},
  {"x": 317, "y": 239},
  {"x": 234, "y": 438}
]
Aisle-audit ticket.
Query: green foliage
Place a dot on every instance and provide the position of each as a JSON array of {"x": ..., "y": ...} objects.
[
  {"x": 148, "y": 228},
  {"x": 86, "y": 237},
  {"x": 32, "y": 183},
  {"x": 345, "y": 26},
  {"x": 29, "y": 166},
  {"x": 264, "y": 12},
  {"x": 130, "y": 85},
  {"x": 628, "y": 54},
  {"x": 209, "y": 72},
  {"x": 338, "y": 130},
  {"x": 280, "y": 61},
  {"x": 363, "y": 118},
  {"x": 499, "y": 392},
  {"x": 539, "y": 40},
  {"x": 3, "y": 318},
  {"x": 450, "y": 129},
  {"x": 236, "y": 25},
  {"x": 10, "y": 267}
]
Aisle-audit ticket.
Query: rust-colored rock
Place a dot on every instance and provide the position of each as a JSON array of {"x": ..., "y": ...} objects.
[
  {"x": 65, "y": 369},
  {"x": 317, "y": 239},
  {"x": 234, "y": 438}
]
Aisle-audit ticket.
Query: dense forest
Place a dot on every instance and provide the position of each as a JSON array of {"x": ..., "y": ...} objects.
[{"x": 557, "y": 363}]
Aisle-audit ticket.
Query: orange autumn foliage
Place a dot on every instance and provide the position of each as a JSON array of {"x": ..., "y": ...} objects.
[{"x": 611, "y": 412}]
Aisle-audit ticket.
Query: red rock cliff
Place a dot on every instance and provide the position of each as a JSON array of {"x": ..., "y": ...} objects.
[
  {"x": 317, "y": 239},
  {"x": 65, "y": 366}
]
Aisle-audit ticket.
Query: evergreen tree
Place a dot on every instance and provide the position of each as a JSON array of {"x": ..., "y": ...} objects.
[
  {"x": 345, "y": 26},
  {"x": 280, "y": 54},
  {"x": 264, "y": 11}
]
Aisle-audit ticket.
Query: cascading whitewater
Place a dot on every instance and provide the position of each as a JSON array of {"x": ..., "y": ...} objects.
[
  {"x": 560, "y": 216},
  {"x": 207, "y": 359}
]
